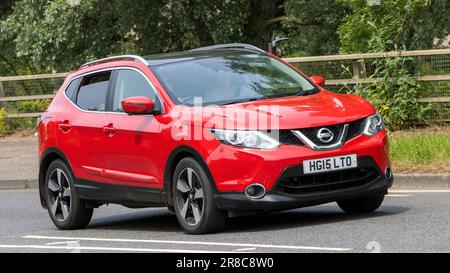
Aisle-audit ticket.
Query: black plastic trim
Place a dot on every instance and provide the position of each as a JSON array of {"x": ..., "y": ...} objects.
[
  {"x": 274, "y": 201},
  {"x": 119, "y": 194},
  {"x": 297, "y": 170}
]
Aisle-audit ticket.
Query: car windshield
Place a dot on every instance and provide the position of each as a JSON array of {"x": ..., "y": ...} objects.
[{"x": 230, "y": 78}]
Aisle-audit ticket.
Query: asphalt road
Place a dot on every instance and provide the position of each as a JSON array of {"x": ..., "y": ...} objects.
[{"x": 408, "y": 221}]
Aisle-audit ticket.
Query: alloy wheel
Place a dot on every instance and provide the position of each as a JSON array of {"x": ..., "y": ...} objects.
[
  {"x": 59, "y": 194},
  {"x": 190, "y": 196}
]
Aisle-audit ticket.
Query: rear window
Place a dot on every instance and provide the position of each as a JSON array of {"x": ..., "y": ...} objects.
[
  {"x": 92, "y": 92},
  {"x": 71, "y": 90}
]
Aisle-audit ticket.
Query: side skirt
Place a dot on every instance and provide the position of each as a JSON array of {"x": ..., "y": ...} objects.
[{"x": 134, "y": 197}]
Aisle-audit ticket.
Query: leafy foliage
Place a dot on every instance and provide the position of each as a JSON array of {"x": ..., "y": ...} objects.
[
  {"x": 2, "y": 120},
  {"x": 311, "y": 27},
  {"x": 395, "y": 96},
  {"x": 412, "y": 24},
  {"x": 61, "y": 34},
  {"x": 29, "y": 106},
  {"x": 17, "y": 125},
  {"x": 21, "y": 124},
  {"x": 394, "y": 92}
]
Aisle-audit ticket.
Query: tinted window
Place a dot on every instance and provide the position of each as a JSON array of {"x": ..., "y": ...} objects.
[
  {"x": 229, "y": 77},
  {"x": 92, "y": 92},
  {"x": 131, "y": 83},
  {"x": 72, "y": 89}
]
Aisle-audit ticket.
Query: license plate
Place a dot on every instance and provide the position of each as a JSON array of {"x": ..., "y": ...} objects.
[{"x": 330, "y": 164}]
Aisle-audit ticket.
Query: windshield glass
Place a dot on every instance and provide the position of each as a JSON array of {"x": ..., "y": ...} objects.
[{"x": 234, "y": 77}]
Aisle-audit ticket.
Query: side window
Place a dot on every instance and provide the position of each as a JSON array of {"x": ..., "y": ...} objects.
[
  {"x": 93, "y": 90},
  {"x": 72, "y": 89},
  {"x": 131, "y": 83}
]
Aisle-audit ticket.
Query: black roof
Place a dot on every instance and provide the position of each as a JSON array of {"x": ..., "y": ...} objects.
[{"x": 166, "y": 58}]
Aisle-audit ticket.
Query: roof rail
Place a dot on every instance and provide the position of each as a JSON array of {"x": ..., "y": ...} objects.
[
  {"x": 116, "y": 58},
  {"x": 233, "y": 45}
]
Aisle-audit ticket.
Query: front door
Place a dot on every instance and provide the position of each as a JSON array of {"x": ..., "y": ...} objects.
[{"x": 133, "y": 141}]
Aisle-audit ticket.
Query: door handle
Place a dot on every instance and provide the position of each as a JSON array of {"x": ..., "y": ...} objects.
[
  {"x": 65, "y": 126},
  {"x": 109, "y": 130}
]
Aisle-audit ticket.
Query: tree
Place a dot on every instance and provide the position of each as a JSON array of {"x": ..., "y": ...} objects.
[
  {"x": 311, "y": 27},
  {"x": 7, "y": 66},
  {"x": 5, "y": 53},
  {"x": 61, "y": 34},
  {"x": 410, "y": 24}
]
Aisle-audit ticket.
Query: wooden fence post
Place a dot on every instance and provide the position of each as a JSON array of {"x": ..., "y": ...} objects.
[
  {"x": 2, "y": 94},
  {"x": 359, "y": 69}
]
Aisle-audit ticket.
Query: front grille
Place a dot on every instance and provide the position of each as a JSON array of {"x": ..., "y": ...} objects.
[
  {"x": 311, "y": 133},
  {"x": 287, "y": 137},
  {"x": 326, "y": 182},
  {"x": 355, "y": 128}
]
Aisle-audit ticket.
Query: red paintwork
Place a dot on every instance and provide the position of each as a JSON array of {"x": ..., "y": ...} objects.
[
  {"x": 136, "y": 105},
  {"x": 133, "y": 150},
  {"x": 323, "y": 108},
  {"x": 319, "y": 80}
]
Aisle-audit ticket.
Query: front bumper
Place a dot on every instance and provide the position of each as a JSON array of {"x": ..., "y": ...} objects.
[
  {"x": 273, "y": 201},
  {"x": 307, "y": 192},
  {"x": 234, "y": 168}
]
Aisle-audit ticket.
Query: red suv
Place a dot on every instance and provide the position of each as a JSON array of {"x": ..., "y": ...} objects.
[{"x": 210, "y": 133}]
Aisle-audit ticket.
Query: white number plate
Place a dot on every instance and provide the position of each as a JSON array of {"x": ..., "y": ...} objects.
[{"x": 330, "y": 164}]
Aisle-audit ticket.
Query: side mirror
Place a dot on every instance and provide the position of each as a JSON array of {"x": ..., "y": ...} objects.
[
  {"x": 319, "y": 80},
  {"x": 138, "y": 105}
]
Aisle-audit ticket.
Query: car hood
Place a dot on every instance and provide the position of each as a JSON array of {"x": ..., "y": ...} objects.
[{"x": 323, "y": 108}]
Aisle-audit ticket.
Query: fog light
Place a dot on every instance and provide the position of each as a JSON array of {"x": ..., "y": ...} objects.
[{"x": 255, "y": 191}]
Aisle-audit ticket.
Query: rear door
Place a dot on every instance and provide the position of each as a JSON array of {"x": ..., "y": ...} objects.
[
  {"x": 134, "y": 144},
  {"x": 81, "y": 133}
]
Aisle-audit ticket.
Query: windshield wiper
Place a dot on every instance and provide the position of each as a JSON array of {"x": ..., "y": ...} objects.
[
  {"x": 306, "y": 92},
  {"x": 242, "y": 100}
]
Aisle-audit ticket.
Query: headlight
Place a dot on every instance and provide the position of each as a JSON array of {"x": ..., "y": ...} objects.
[
  {"x": 247, "y": 139},
  {"x": 374, "y": 124}
]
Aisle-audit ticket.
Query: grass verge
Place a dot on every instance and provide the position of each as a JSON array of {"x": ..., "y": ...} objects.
[{"x": 424, "y": 150}]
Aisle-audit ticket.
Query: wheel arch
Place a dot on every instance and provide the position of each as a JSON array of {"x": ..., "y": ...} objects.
[
  {"x": 50, "y": 155},
  {"x": 172, "y": 161}
]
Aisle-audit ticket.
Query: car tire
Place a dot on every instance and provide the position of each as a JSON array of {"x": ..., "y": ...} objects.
[
  {"x": 196, "y": 215},
  {"x": 66, "y": 210},
  {"x": 362, "y": 205}
]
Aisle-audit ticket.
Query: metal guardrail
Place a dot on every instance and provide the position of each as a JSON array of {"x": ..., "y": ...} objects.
[{"x": 330, "y": 82}]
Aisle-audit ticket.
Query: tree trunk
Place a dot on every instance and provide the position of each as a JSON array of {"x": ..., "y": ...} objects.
[{"x": 258, "y": 32}]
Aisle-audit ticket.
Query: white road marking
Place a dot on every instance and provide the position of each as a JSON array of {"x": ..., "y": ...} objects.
[
  {"x": 419, "y": 191},
  {"x": 399, "y": 195},
  {"x": 245, "y": 249},
  {"x": 119, "y": 249},
  {"x": 62, "y": 243},
  {"x": 190, "y": 243}
]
